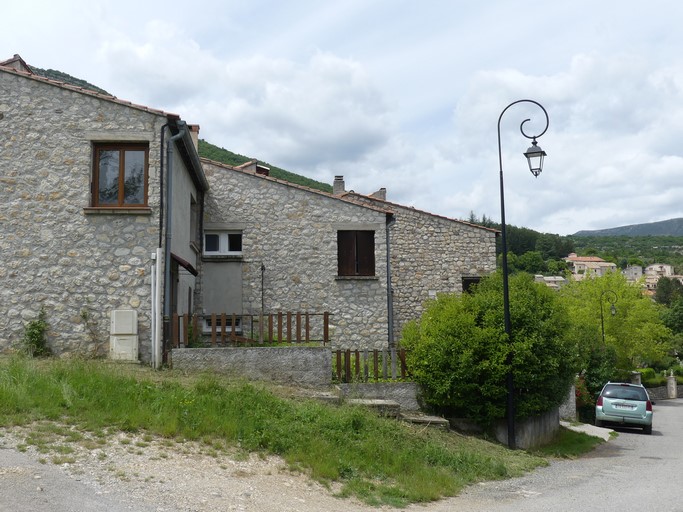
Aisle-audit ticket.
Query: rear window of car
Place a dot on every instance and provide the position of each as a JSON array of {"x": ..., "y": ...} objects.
[{"x": 625, "y": 393}]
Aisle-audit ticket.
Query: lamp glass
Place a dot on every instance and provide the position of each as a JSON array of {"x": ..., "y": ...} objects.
[{"x": 535, "y": 156}]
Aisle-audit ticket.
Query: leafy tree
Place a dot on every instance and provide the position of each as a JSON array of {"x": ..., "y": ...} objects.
[
  {"x": 636, "y": 332},
  {"x": 668, "y": 290},
  {"x": 557, "y": 267},
  {"x": 458, "y": 350},
  {"x": 532, "y": 262}
]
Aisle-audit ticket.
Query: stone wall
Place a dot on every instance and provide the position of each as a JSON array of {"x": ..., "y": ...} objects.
[
  {"x": 292, "y": 232},
  {"x": 301, "y": 366},
  {"x": 431, "y": 254},
  {"x": 55, "y": 254}
]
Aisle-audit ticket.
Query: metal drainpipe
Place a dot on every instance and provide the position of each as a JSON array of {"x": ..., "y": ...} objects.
[
  {"x": 169, "y": 232},
  {"x": 390, "y": 291}
]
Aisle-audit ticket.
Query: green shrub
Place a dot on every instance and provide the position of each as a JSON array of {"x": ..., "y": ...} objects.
[
  {"x": 458, "y": 351},
  {"x": 646, "y": 373},
  {"x": 34, "y": 340}
]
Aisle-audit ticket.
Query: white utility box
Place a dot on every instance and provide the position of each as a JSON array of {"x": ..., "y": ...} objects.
[{"x": 123, "y": 339}]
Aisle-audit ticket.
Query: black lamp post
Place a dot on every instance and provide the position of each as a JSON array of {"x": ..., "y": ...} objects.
[
  {"x": 612, "y": 299},
  {"x": 535, "y": 156}
]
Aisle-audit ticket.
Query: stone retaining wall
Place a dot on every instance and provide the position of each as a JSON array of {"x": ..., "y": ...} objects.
[{"x": 300, "y": 366}]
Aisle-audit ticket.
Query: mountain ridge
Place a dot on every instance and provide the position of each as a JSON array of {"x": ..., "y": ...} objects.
[{"x": 669, "y": 227}]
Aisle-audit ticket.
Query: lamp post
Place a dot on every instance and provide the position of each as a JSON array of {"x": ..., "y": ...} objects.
[
  {"x": 535, "y": 156},
  {"x": 612, "y": 299}
]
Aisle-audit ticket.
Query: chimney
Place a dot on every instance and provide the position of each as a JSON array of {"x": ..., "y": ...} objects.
[
  {"x": 194, "y": 133},
  {"x": 262, "y": 169},
  {"x": 338, "y": 187},
  {"x": 380, "y": 194}
]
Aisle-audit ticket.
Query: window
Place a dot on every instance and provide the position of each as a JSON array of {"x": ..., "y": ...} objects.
[
  {"x": 223, "y": 243},
  {"x": 356, "y": 253},
  {"x": 468, "y": 283},
  {"x": 208, "y": 324},
  {"x": 120, "y": 175}
]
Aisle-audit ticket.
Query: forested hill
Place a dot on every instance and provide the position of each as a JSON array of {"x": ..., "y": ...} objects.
[
  {"x": 671, "y": 227},
  {"x": 212, "y": 152}
]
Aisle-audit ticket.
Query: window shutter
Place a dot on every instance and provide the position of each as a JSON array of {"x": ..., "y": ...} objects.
[
  {"x": 365, "y": 249},
  {"x": 346, "y": 253}
]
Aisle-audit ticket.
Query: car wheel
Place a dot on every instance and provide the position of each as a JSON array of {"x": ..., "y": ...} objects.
[{"x": 647, "y": 430}]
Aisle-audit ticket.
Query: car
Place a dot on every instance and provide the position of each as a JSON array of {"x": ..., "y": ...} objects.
[{"x": 624, "y": 405}]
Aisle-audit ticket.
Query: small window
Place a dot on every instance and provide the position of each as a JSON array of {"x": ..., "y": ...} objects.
[
  {"x": 208, "y": 324},
  {"x": 356, "y": 253},
  {"x": 468, "y": 283},
  {"x": 120, "y": 175},
  {"x": 223, "y": 243}
]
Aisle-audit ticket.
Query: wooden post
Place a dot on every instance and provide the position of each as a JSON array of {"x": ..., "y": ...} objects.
[
  {"x": 213, "y": 329},
  {"x": 375, "y": 360},
  {"x": 175, "y": 342},
  {"x": 224, "y": 319},
  {"x": 298, "y": 327},
  {"x": 233, "y": 334},
  {"x": 289, "y": 326},
  {"x": 326, "y": 327},
  {"x": 270, "y": 328},
  {"x": 186, "y": 327},
  {"x": 339, "y": 365},
  {"x": 347, "y": 366},
  {"x": 279, "y": 326}
]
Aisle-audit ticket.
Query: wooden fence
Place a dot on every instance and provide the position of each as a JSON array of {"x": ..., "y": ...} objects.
[
  {"x": 224, "y": 329},
  {"x": 369, "y": 365}
]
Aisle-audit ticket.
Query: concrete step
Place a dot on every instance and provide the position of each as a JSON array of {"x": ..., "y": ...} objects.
[
  {"x": 388, "y": 408},
  {"x": 425, "y": 420}
]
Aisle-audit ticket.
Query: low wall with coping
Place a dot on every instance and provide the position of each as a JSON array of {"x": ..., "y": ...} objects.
[{"x": 301, "y": 366}]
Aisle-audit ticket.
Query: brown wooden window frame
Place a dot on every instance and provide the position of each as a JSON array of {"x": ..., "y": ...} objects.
[
  {"x": 122, "y": 148},
  {"x": 355, "y": 253}
]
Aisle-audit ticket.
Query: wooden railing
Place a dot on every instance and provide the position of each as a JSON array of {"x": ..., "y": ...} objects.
[
  {"x": 369, "y": 365},
  {"x": 230, "y": 329}
]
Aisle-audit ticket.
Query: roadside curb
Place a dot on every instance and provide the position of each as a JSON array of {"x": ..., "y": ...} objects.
[{"x": 591, "y": 430}]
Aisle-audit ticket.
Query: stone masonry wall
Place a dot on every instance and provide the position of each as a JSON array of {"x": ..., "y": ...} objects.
[
  {"x": 55, "y": 255},
  {"x": 293, "y": 233},
  {"x": 431, "y": 255}
]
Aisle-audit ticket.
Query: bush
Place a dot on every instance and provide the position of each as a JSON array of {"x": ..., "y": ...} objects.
[
  {"x": 34, "y": 340},
  {"x": 646, "y": 373},
  {"x": 458, "y": 351}
]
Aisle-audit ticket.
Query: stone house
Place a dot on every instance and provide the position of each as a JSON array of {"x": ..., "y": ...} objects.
[
  {"x": 428, "y": 254},
  {"x": 588, "y": 266},
  {"x": 292, "y": 246},
  {"x": 96, "y": 196},
  {"x": 106, "y": 210}
]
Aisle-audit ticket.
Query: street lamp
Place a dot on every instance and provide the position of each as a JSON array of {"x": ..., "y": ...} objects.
[
  {"x": 535, "y": 156},
  {"x": 612, "y": 299}
]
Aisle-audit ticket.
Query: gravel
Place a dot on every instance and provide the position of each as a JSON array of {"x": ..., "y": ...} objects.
[{"x": 169, "y": 476}]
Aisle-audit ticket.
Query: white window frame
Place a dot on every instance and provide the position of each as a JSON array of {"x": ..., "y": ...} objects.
[{"x": 223, "y": 243}]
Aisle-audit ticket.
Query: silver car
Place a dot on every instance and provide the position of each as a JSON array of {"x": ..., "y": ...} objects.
[{"x": 624, "y": 405}]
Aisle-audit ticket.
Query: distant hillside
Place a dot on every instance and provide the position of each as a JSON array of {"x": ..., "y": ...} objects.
[
  {"x": 671, "y": 227},
  {"x": 53, "y": 74},
  {"x": 208, "y": 150}
]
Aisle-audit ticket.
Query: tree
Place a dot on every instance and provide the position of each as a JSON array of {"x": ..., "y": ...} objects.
[
  {"x": 458, "y": 350},
  {"x": 636, "y": 332},
  {"x": 532, "y": 262},
  {"x": 668, "y": 290}
]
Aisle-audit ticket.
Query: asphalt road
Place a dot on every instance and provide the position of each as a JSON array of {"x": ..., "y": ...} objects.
[{"x": 632, "y": 472}]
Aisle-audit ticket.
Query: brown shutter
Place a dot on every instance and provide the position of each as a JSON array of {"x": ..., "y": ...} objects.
[
  {"x": 346, "y": 253},
  {"x": 365, "y": 249}
]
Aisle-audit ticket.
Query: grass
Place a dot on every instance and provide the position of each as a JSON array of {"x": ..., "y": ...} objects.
[
  {"x": 380, "y": 461},
  {"x": 569, "y": 444}
]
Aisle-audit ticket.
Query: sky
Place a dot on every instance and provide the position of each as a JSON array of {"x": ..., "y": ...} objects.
[{"x": 405, "y": 95}]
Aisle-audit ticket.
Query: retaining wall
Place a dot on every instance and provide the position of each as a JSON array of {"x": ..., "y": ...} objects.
[{"x": 301, "y": 366}]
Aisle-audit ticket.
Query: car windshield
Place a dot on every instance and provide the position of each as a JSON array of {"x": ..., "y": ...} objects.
[{"x": 625, "y": 393}]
